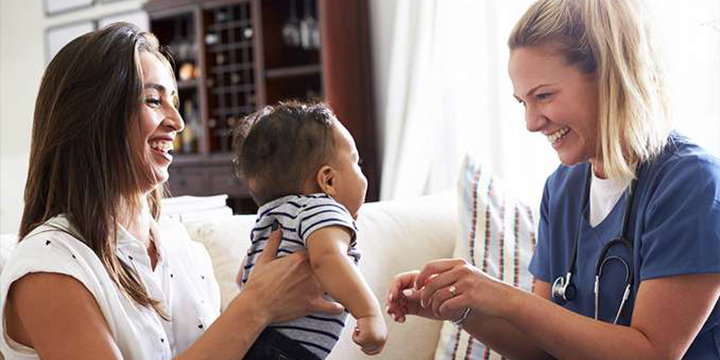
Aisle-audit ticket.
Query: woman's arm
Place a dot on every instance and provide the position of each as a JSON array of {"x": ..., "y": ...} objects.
[
  {"x": 497, "y": 333},
  {"x": 279, "y": 292},
  {"x": 58, "y": 317},
  {"x": 668, "y": 314},
  {"x": 63, "y": 320},
  {"x": 504, "y": 338}
]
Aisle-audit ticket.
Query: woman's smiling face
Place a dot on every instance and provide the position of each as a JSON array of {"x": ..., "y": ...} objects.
[
  {"x": 560, "y": 101},
  {"x": 160, "y": 120}
]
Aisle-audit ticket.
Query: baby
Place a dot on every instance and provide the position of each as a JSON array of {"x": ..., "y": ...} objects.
[{"x": 301, "y": 167}]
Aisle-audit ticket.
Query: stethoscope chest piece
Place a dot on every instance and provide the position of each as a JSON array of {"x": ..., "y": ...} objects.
[{"x": 563, "y": 290}]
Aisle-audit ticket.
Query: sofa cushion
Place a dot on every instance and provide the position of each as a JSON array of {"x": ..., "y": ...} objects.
[
  {"x": 497, "y": 235},
  {"x": 226, "y": 239},
  {"x": 398, "y": 236}
]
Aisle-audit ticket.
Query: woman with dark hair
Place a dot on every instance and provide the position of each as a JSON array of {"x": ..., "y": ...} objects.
[{"x": 95, "y": 274}]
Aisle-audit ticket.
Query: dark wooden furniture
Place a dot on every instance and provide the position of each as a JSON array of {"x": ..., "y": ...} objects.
[{"x": 235, "y": 56}]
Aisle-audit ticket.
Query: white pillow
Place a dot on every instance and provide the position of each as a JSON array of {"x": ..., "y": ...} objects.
[
  {"x": 497, "y": 235},
  {"x": 396, "y": 236},
  {"x": 226, "y": 239}
]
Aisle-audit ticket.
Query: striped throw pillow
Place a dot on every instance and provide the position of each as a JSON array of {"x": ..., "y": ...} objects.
[{"x": 497, "y": 235}]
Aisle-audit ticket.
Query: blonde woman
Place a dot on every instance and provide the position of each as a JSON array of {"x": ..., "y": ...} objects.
[
  {"x": 95, "y": 274},
  {"x": 627, "y": 264}
]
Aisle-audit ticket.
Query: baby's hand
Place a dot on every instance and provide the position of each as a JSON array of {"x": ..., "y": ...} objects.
[
  {"x": 397, "y": 306},
  {"x": 370, "y": 334},
  {"x": 402, "y": 299}
]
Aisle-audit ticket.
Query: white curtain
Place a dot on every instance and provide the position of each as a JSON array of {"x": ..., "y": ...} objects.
[
  {"x": 690, "y": 40},
  {"x": 449, "y": 93}
]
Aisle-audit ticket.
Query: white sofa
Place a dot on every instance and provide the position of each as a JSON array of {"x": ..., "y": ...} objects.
[{"x": 393, "y": 236}]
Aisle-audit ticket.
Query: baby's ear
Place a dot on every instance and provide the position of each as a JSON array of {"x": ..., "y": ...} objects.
[{"x": 325, "y": 179}]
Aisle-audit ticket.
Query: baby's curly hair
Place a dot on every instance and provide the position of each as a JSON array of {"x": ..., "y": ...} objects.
[{"x": 277, "y": 149}]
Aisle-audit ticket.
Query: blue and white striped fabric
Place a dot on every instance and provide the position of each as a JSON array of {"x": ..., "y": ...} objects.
[
  {"x": 299, "y": 216},
  {"x": 497, "y": 235}
]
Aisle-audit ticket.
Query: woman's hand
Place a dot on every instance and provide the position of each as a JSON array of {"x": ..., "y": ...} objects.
[
  {"x": 286, "y": 288},
  {"x": 450, "y": 286}
]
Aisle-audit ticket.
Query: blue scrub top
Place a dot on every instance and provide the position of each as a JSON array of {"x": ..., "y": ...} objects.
[{"x": 674, "y": 225}]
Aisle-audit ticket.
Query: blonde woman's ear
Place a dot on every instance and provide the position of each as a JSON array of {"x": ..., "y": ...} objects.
[{"x": 326, "y": 180}]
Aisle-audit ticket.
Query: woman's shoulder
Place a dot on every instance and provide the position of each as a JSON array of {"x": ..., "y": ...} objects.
[
  {"x": 54, "y": 236},
  {"x": 566, "y": 179},
  {"x": 684, "y": 173},
  {"x": 54, "y": 248},
  {"x": 684, "y": 160}
]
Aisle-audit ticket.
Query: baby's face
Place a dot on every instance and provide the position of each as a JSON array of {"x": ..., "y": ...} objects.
[{"x": 350, "y": 182}]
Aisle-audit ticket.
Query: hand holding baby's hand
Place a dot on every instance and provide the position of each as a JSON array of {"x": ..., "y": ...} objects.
[{"x": 370, "y": 334}]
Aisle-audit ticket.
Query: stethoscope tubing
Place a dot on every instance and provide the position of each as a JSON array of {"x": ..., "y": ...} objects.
[{"x": 564, "y": 290}]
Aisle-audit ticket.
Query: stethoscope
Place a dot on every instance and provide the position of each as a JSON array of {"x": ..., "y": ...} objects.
[{"x": 564, "y": 290}]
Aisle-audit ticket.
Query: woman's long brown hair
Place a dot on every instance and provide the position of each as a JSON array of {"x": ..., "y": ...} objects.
[{"x": 82, "y": 161}]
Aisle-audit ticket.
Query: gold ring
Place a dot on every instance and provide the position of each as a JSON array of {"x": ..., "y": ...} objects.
[{"x": 453, "y": 290}]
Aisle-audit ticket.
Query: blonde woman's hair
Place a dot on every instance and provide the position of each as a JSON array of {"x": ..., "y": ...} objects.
[{"x": 612, "y": 39}]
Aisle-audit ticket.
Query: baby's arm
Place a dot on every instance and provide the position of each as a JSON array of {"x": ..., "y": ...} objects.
[{"x": 341, "y": 279}]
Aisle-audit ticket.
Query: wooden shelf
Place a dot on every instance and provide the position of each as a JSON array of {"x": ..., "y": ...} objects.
[
  {"x": 243, "y": 62},
  {"x": 197, "y": 159},
  {"x": 231, "y": 67},
  {"x": 242, "y": 44},
  {"x": 293, "y": 71},
  {"x": 182, "y": 159},
  {"x": 231, "y": 89},
  {"x": 187, "y": 84}
]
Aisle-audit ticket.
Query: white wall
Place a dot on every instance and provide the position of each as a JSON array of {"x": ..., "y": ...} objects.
[{"x": 22, "y": 61}]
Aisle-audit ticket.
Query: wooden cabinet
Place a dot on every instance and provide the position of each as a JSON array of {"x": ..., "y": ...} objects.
[{"x": 232, "y": 57}]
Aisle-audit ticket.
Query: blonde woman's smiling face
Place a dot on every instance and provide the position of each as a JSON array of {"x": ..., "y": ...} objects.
[{"x": 560, "y": 101}]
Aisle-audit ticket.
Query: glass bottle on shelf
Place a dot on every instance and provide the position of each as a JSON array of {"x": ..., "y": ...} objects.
[
  {"x": 248, "y": 33},
  {"x": 309, "y": 29},
  {"x": 221, "y": 16},
  {"x": 190, "y": 135},
  {"x": 211, "y": 39},
  {"x": 291, "y": 28},
  {"x": 187, "y": 71},
  {"x": 177, "y": 144},
  {"x": 186, "y": 52}
]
